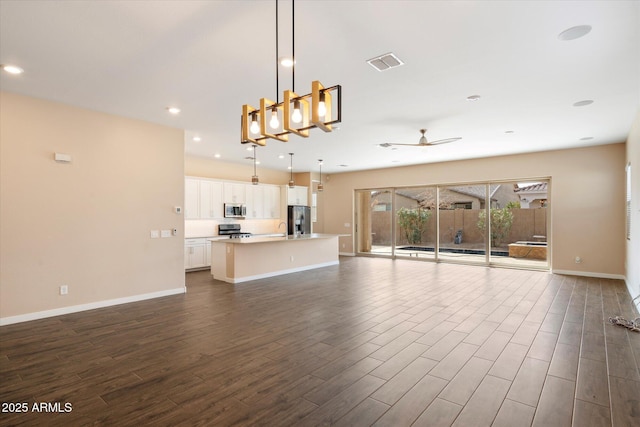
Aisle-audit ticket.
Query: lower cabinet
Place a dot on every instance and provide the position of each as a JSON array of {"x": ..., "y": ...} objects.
[{"x": 195, "y": 253}]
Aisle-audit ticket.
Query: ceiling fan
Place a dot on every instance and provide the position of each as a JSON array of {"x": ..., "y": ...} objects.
[{"x": 422, "y": 142}]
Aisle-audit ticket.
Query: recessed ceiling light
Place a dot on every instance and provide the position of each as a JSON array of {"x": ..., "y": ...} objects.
[
  {"x": 583, "y": 103},
  {"x": 197, "y": 139},
  {"x": 249, "y": 148},
  {"x": 281, "y": 156},
  {"x": 286, "y": 61},
  {"x": 586, "y": 138},
  {"x": 574, "y": 32},
  {"x": 173, "y": 110},
  {"x": 288, "y": 167},
  {"x": 12, "y": 69},
  {"x": 217, "y": 155},
  {"x": 257, "y": 162},
  {"x": 473, "y": 97}
]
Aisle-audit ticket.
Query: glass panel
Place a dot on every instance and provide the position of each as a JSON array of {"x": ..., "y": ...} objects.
[
  {"x": 374, "y": 221},
  {"x": 415, "y": 217},
  {"x": 519, "y": 224},
  {"x": 461, "y": 233}
]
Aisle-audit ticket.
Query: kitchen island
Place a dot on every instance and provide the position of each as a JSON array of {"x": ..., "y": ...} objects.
[{"x": 251, "y": 258}]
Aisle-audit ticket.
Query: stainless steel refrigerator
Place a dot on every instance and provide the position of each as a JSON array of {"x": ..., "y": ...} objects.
[{"x": 299, "y": 220}]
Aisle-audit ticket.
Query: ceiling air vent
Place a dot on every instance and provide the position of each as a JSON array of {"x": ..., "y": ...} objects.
[{"x": 385, "y": 62}]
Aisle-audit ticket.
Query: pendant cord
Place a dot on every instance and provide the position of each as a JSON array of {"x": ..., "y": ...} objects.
[
  {"x": 254, "y": 161},
  {"x": 293, "y": 45},
  {"x": 277, "y": 68}
]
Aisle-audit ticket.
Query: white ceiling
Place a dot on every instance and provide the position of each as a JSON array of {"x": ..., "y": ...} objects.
[{"x": 135, "y": 58}]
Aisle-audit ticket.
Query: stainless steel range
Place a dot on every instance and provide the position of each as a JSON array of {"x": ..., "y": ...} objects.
[{"x": 232, "y": 230}]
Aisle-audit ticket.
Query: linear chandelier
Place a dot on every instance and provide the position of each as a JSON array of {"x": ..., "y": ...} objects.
[{"x": 299, "y": 113}]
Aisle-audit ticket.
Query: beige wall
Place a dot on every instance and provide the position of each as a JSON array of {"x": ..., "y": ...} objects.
[
  {"x": 85, "y": 224},
  {"x": 587, "y": 190},
  {"x": 214, "y": 168},
  {"x": 633, "y": 245}
]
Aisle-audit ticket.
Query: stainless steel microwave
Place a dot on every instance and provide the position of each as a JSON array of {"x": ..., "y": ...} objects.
[{"x": 235, "y": 210}]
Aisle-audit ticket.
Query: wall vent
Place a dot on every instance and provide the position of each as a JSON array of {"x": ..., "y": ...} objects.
[{"x": 385, "y": 62}]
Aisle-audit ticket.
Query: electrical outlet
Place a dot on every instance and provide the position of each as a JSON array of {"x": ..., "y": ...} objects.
[
  {"x": 578, "y": 260},
  {"x": 64, "y": 289}
]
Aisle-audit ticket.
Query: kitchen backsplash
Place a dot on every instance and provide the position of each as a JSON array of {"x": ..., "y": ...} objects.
[{"x": 209, "y": 228}]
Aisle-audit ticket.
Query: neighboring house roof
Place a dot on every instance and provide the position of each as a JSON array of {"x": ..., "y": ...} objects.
[
  {"x": 475, "y": 190},
  {"x": 540, "y": 187}
]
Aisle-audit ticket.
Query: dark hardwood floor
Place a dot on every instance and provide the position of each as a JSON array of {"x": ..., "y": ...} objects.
[{"x": 369, "y": 342}]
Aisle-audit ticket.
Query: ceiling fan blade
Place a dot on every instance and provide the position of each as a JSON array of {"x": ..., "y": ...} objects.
[
  {"x": 444, "y": 141},
  {"x": 408, "y": 145}
]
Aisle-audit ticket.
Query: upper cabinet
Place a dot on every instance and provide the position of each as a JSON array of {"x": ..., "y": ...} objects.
[
  {"x": 235, "y": 192},
  {"x": 191, "y": 198},
  {"x": 202, "y": 199},
  {"x": 205, "y": 198},
  {"x": 297, "y": 196},
  {"x": 211, "y": 205},
  {"x": 263, "y": 201}
]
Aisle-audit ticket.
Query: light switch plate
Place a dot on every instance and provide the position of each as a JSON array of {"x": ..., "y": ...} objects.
[
  {"x": 155, "y": 234},
  {"x": 165, "y": 233}
]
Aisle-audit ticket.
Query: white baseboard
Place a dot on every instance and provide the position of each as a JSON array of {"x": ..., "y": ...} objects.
[
  {"x": 589, "y": 274},
  {"x": 278, "y": 273},
  {"x": 90, "y": 306},
  {"x": 347, "y": 254}
]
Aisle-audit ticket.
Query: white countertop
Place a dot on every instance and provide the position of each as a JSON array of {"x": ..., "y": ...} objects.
[{"x": 268, "y": 238}]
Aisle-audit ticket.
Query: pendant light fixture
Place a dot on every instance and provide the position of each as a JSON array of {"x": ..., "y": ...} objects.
[
  {"x": 254, "y": 178},
  {"x": 299, "y": 113},
  {"x": 320, "y": 186},
  {"x": 291, "y": 181}
]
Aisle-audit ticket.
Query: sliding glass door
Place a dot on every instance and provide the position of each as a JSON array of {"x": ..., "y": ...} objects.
[
  {"x": 415, "y": 222},
  {"x": 519, "y": 224},
  {"x": 461, "y": 238},
  {"x": 374, "y": 222},
  {"x": 493, "y": 223}
]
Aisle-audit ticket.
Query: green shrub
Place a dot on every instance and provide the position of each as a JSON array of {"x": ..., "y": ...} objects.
[
  {"x": 501, "y": 220},
  {"x": 413, "y": 222}
]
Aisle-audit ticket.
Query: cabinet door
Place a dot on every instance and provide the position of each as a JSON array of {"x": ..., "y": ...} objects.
[
  {"x": 234, "y": 193},
  {"x": 187, "y": 257},
  {"x": 297, "y": 196},
  {"x": 207, "y": 251},
  {"x": 271, "y": 202},
  {"x": 211, "y": 205},
  {"x": 250, "y": 200},
  {"x": 198, "y": 254},
  {"x": 191, "y": 198}
]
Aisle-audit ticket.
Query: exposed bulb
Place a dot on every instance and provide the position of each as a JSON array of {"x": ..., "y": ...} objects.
[
  {"x": 322, "y": 108},
  {"x": 255, "y": 127},
  {"x": 296, "y": 117},
  {"x": 274, "y": 123}
]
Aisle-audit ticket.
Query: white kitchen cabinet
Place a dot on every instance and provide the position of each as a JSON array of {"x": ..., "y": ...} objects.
[
  {"x": 191, "y": 198},
  {"x": 271, "y": 202},
  {"x": 263, "y": 201},
  {"x": 195, "y": 253},
  {"x": 211, "y": 204},
  {"x": 297, "y": 196},
  {"x": 234, "y": 192},
  {"x": 255, "y": 201}
]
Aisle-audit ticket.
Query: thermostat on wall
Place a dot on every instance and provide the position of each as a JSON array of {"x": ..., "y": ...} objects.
[{"x": 178, "y": 209}]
